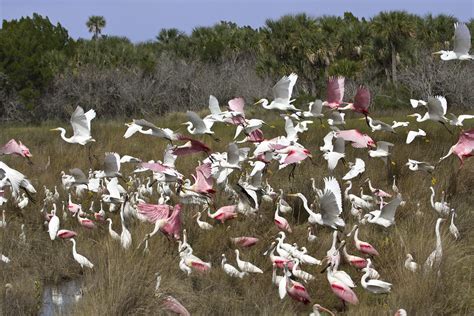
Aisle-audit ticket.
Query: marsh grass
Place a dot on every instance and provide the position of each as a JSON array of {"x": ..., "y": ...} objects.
[{"x": 123, "y": 282}]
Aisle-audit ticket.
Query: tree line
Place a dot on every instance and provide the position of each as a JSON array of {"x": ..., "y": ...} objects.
[{"x": 44, "y": 72}]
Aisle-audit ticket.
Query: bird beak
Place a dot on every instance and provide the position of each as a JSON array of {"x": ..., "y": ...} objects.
[
  {"x": 411, "y": 115},
  {"x": 258, "y": 102},
  {"x": 53, "y": 129},
  {"x": 437, "y": 53},
  {"x": 292, "y": 194}
]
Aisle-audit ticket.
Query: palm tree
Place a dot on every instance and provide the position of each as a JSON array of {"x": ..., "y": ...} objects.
[
  {"x": 95, "y": 24},
  {"x": 392, "y": 31}
]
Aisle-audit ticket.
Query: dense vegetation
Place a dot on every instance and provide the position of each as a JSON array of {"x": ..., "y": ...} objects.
[{"x": 44, "y": 72}]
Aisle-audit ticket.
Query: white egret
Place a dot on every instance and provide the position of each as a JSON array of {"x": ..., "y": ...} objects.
[
  {"x": 81, "y": 126},
  {"x": 462, "y": 44}
]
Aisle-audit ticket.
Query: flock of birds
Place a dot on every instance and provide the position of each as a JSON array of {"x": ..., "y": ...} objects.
[{"x": 240, "y": 174}]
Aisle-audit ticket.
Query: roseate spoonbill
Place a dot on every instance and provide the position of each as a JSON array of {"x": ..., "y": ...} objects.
[
  {"x": 462, "y": 44},
  {"x": 464, "y": 148},
  {"x": 363, "y": 246},
  {"x": 361, "y": 102},
  {"x": 16, "y": 179},
  {"x": 246, "y": 266},
  {"x": 231, "y": 270},
  {"x": 281, "y": 222},
  {"x": 374, "y": 286},
  {"x": 452, "y": 228},
  {"x": 66, "y": 234},
  {"x": 378, "y": 192},
  {"x": 202, "y": 224},
  {"x": 434, "y": 259},
  {"x": 413, "y": 134},
  {"x": 171, "y": 304},
  {"x": 386, "y": 215},
  {"x": 83, "y": 261},
  {"x": 357, "y": 168},
  {"x": 355, "y": 261},
  {"x": 295, "y": 290},
  {"x": 279, "y": 261},
  {"x": 15, "y": 148},
  {"x": 457, "y": 120},
  {"x": 276, "y": 279},
  {"x": 410, "y": 264},
  {"x": 282, "y": 91},
  {"x": 148, "y": 128},
  {"x": 85, "y": 222},
  {"x": 224, "y": 213},
  {"x": 53, "y": 225},
  {"x": 441, "y": 207},
  {"x": 81, "y": 125},
  {"x": 244, "y": 241},
  {"x": 341, "y": 289},
  {"x": 356, "y": 138},
  {"x": 334, "y": 92},
  {"x": 194, "y": 262}
]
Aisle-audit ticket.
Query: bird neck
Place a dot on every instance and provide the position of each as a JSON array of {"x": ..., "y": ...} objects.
[{"x": 63, "y": 135}]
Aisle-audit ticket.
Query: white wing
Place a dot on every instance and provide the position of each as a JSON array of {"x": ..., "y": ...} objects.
[
  {"x": 290, "y": 130},
  {"x": 462, "y": 39},
  {"x": 284, "y": 87},
  {"x": 198, "y": 123},
  {"x": 112, "y": 187},
  {"x": 316, "y": 107},
  {"x": 327, "y": 142},
  {"x": 388, "y": 211},
  {"x": 415, "y": 103},
  {"x": 357, "y": 168},
  {"x": 80, "y": 123},
  {"x": 232, "y": 154},
  {"x": 331, "y": 184},
  {"x": 214, "y": 105}
]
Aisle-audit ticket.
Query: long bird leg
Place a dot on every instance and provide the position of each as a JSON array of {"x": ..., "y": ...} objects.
[{"x": 444, "y": 124}]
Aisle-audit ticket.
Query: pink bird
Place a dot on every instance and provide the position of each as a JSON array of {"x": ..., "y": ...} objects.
[
  {"x": 203, "y": 180},
  {"x": 279, "y": 261},
  {"x": 354, "y": 261},
  {"x": 255, "y": 136},
  {"x": 73, "y": 207},
  {"x": 378, "y": 192},
  {"x": 361, "y": 101},
  {"x": 154, "y": 212},
  {"x": 363, "y": 246},
  {"x": 66, "y": 234},
  {"x": 295, "y": 290},
  {"x": 171, "y": 304},
  {"x": 192, "y": 146},
  {"x": 464, "y": 148},
  {"x": 224, "y": 213},
  {"x": 85, "y": 222},
  {"x": 172, "y": 227},
  {"x": 245, "y": 241},
  {"x": 293, "y": 154},
  {"x": 281, "y": 222},
  {"x": 335, "y": 92},
  {"x": 356, "y": 138},
  {"x": 15, "y": 148},
  {"x": 342, "y": 290}
]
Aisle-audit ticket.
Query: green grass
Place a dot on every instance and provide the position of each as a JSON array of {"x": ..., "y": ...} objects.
[{"x": 122, "y": 282}]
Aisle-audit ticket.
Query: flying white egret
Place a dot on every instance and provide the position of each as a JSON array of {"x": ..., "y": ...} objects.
[
  {"x": 357, "y": 168},
  {"x": 437, "y": 107},
  {"x": 458, "y": 120},
  {"x": 413, "y": 134},
  {"x": 147, "y": 128},
  {"x": 16, "y": 179},
  {"x": 386, "y": 215},
  {"x": 462, "y": 44},
  {"x": 282, "y": 91},
  {"x": 81, "y": 126},
  {"x": 415, "y": 165},
  {"x": 197, "y": 125},
  {"x": 382, "y": 151}
]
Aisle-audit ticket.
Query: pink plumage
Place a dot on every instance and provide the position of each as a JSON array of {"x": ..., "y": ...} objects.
[
  {"x": 172, "y": 226},
  {"x": 65, "y": 233},
  {"x": 15, "y": 148},
  {"x": 464, "y": 148},
  {"x": 335, "y": 92},
  {"x": 203, "y": 179},
  {"x": 297, "y": 291},
  {"x": 237, "y": 105},
  {"x": 154, "y": 212},
  {"x": 344, "y": 292},
  {"x": 362, "y": 100},
  {"x": 367, "y": 248},
  {"x": 171, "y": 304},
  {"x": 245, "y": 241},
  {"x": 225, "y": 213},
  {"x": 191, "y": 147},
  {"x": 356, "y": 138},
  {"x": 256, "y": 136}
]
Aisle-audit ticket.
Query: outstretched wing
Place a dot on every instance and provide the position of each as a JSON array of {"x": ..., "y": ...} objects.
[
  {"x": 335, "y": 89},
  {"x": 237, "y": 105},
  {"x": 437, "y": 106},
  {"x": 462, "y": 39},
  {"x": 316, "y": 107},
  {"x": 331, "y": 184},
  {"x": 111, "y": 164},
  {"x": 388, "y": 210},
  {"x": 80, "y": 123},
  {"x": 284, "y": 87},
  {"x": 362, "y": 99},
  {"x": 214, "y": 105}
]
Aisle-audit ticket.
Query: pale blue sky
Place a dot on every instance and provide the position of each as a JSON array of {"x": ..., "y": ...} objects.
[{"x": 141, "y": 20}]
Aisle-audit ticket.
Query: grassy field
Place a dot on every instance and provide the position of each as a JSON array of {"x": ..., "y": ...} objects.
[{"x": 122, "y": 282}]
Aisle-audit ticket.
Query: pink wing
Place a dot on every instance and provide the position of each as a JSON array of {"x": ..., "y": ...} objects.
[
  {"x": 12, "y": 147},
  {"x": 357, "y": 139},
  {"x": 173, "y": 305},
  {"x": 200, "y": 266},
  {"x": 362, "y": 100},
  {"x": 237, "y": 105},
  {"x": 256, "y": 136},
  {"x": 24, "y": 150},
  {"x": 173, "y": 224},
  {"x": 335, "y": 90},
  {"x": 204, "y": 178},
  {"x": 245, "y": 241},
  {"x": 344, "y": 293},
  {"x": 296, "y": 155},
  {"x": 156, "y": 167},
  {"x": 196, "y": 146},
  {"x": 464, "y": 148},
  {"x": 154, "y": 212}
]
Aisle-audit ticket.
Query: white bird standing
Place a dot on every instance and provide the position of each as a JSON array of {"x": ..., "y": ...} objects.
[
  {"x": 462, "y": 44},
  {"x": 83, "y": 261},
  {"x": 452, "y": 228},
  {"x": 81, "y": 126},
  {"x": 374, "y": 286},
  {"x": 441, "y": 207},
  {"x": 410, "y": 264},
  {"x": 246, "y": 266},
  {"x": 434, "y": 259},
  {"x": 202, "y": 224},
  {"x": 231, "y": 270},
  {"x": 113, "y": 233},
  {"x": 53, "y": 225}
]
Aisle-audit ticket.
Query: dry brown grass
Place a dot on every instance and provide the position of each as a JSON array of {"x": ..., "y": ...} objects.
[{"x": 122, "y": 282}]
